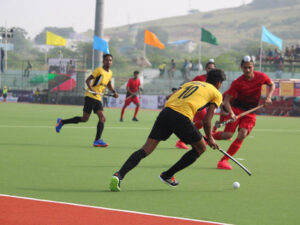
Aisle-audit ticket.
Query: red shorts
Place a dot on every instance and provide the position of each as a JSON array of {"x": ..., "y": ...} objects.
[
  {"x": 199, "y": 116},
  {"x": 134, "y": 99},
  {"x": 247, "y": 121},
  {"x": 222, "y": 117}
]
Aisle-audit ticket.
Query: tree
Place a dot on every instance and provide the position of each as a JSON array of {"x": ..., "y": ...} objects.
[
  {"x": 20, "y": 40},
  {"x": 273, "y": 3}
]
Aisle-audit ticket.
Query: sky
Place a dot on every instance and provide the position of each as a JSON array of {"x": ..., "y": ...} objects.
[{"x": 34, "y": 15}]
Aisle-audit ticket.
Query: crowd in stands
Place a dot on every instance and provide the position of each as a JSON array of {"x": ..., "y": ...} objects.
[
  {"x": 275, "y": 56},
  {"x": 281, "y": 106}
]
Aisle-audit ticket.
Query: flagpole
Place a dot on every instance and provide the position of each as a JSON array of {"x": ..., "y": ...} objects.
[
  {"x": 93, "y": 59},
  {"x": 46, "y": 60},
  {"x": 199, "y": 52},
  {"x": 143, "y": 61},
  {"x": 260, "y": 55}
]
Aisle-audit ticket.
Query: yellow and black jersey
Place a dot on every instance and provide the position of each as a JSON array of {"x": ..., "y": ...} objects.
[
  {"x": 194, "y": 96},
  {"x": 100, "y": 81}
]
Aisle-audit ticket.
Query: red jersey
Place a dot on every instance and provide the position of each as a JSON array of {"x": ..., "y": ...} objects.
[
  {"x": 200, "y": 78},
  {"x": 247, "y": 92},
  {"x": 133, "y": 85}
]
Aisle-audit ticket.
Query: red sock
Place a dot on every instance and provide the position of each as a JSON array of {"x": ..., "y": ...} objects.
[
  {"x": 217, "y": 135},
  {"x": 198, "y": 125},
  {"x": 136, "y": 111},
  {"x": 234, "y": 147},
  {"x": 122, "y": 112}
]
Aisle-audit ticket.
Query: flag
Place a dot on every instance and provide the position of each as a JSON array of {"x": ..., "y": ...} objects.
[
  {"x": 151, "y": 39},
  {"x": 100, "y": 45},
  {"x": 208, "y": 37},
  {"x": 267, "y": 36},
  {"x": 54, "y": 39},
  {"x": 179, "y": 42}
]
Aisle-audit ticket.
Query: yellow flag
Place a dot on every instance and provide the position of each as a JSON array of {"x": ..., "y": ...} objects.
[
  {"x": 54, "y": 39},
  {"x": 151, "y": 39}
]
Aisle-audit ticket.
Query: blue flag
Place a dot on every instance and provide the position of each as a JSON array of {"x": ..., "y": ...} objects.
[
  {"x": 101, "y": 45},
  {"x": 270, "y": 38}
]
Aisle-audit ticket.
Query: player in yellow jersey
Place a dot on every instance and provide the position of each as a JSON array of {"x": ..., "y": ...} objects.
[
  {"x": 97, "y": 81},
  {"x": 177, "y": 118}
]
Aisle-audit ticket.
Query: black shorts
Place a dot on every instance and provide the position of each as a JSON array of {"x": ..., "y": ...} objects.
[
  {"x": 170, "y": 121},
  {"x": 92, "y": 104}
]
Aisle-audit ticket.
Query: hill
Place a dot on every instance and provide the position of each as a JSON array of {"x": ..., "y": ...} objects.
[{"x": 234, "y": 27}]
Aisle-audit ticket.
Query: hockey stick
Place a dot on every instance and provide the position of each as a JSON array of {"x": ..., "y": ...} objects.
[
  {"x": 237, "y": 162},
  {"x": 218, "y": 124},
  {"x": 233, "y": 159}
]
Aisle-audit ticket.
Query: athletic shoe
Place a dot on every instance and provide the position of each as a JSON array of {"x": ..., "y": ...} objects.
[
  {"x": 58, "y": 125},
  {"x": 100, "y": 143},
  {"x": 115, "y": 182},
  {"x": 224, "y": 165},
  {"x": 170, "y": 181},
  {"x": 135, "y": 119},
  {"x": 121, "y": 120},
  {"x": 180, "y": 144}
]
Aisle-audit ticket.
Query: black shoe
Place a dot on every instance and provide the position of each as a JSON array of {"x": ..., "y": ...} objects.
[
  {"x": 135, "y": 119},
  {"x": 170, "y": 181},
  {"x": 121, "y": 120}
]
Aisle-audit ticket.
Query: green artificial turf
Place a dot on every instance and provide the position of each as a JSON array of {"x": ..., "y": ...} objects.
[{"x": 37, "y": 162}]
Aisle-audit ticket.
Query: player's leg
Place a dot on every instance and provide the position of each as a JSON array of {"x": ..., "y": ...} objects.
[
  {"x": 188, "y": 133},
  {"x": 245, "y": 126},
  {"x": 229, "y": 128},
  {"x": 98, "y": 109},
  {"x": 87, "y": 109},
  {"x": 132, "y": 162},
  {"x": 126, "y": 103},
  {"x": 136, "y": 101},
  {"x": 100, "y": 127},
  {"x": 160, "y": 131},
  {"x": 199, "y": 116}
]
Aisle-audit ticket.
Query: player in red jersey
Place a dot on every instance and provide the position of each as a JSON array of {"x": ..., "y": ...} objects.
[
  {"x": 199, "y": 116},
  {"x": 133, "y": 88},
  {"x": 246, "y": 91}
]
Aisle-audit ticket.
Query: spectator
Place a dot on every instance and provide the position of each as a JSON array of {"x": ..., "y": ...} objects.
[
  {"x": 172, "y": 69},
  {"x": 37, "y": 95},
  {"x": 27, "y": 69},
  {"x": 297, "y": 52},
  {"x": 184, "y": 69},
  {"x": 292, "y": 51},
  {"x": 189, "y": 68},
  {"x": 4, "y": 93},
  {"x": 162, "y": 69},
  {"x": 262, "y": 53},
  {"x": 287, "y": 53},
  {"x": 270, "y": 55},
  {"x": 2, "y": 60}
]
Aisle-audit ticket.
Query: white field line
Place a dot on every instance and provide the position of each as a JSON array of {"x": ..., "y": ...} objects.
[
  {"x": 110, "y": 209},
  {"x": 133, "y": 128}
]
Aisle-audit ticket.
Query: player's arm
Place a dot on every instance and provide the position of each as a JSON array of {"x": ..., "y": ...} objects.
[
  {"x": 227, "y": 105},
  {"x": 110, "y": 87},
  {"x": 88, "y": 82},
  {"x": 129, "y": 91},
  {"x": 268, "y": 100},
  {"x": 207, "y": 125}
]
